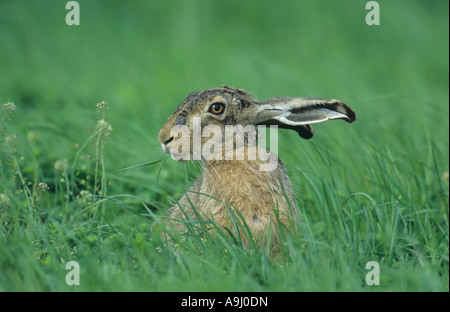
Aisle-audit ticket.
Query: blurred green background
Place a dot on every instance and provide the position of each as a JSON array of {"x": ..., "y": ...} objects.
[{"x": 144, "y": 57}]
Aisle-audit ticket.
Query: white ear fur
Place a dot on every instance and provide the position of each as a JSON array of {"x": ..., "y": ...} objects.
[
  {"x": 298, "y": 113},
  {"x": 315, "y": 116}
]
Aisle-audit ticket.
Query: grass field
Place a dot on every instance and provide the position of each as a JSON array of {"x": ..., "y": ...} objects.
[{"x": 374, "y": 190}]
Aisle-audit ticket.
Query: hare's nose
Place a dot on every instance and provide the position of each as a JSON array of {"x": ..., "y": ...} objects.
[
  {"x": 168, "y": 141},
  {"x": 165, "y": 145}
]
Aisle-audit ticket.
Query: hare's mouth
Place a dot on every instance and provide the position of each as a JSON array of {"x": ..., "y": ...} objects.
[
  {"x": 165, "y": 148},
  {"x": 177, "y": 150}
]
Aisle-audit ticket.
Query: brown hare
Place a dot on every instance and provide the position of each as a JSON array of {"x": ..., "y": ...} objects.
[{"x": 234, "y": 179}]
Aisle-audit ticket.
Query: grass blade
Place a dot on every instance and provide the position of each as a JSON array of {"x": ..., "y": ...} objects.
[{"x": 141, "y": 165}]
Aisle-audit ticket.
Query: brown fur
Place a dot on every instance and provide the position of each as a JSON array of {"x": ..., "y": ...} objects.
[{"x": 263, "y": 198}]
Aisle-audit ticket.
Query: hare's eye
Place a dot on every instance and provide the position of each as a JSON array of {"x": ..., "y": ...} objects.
[{"x": 217, "y": 108}]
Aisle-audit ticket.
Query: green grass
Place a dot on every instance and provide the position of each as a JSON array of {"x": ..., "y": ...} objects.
[{"x": 375, "y": 190}]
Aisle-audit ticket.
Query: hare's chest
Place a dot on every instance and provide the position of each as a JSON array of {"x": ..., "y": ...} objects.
[{"x": 240, "y": 184}]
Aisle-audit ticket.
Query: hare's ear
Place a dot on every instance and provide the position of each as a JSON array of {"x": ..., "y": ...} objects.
[{"x": 299, "y": 113}]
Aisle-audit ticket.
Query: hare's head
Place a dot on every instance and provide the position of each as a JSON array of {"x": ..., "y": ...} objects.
[{"x": 221, "y": 107}]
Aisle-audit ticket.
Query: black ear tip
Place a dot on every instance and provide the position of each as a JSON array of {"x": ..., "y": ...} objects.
[
  {"x": 305, "y": 136},
  {"x": 306, "y": 131},
  {"x": 351, "y": 116}
]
